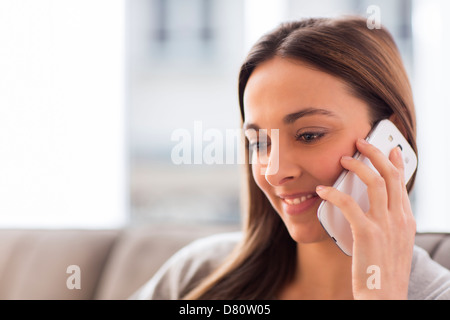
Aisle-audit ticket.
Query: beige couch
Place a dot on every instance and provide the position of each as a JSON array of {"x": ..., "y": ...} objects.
[{"x": 113, "y": 264}]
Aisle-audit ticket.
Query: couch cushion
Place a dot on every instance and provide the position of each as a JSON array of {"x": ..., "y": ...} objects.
[
  {"x": 141, "y": 251},
  {"x": 437, "y": 245},
  {"x": 34, "y": 262}
]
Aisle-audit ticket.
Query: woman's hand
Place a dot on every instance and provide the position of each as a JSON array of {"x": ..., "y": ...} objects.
[{"x": 383, "y": 236}]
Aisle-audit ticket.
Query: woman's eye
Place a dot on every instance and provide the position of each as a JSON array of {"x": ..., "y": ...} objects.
[
  {"x": 309, "y": 137},
  {"x": 258, "y": 145}
]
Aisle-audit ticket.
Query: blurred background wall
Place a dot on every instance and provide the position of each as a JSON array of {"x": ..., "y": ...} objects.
[{"x": 91, "y": 93}]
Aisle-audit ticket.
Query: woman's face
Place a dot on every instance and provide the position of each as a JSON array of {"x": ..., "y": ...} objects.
[{"x": 318, "y": 122}]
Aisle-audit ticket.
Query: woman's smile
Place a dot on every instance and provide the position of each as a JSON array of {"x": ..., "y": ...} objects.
[{"x": 298, "y": 203}]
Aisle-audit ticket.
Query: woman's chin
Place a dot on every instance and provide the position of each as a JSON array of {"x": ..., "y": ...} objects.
[
  {"x": 305, "y": 227},
  {"x": 304, "y": 234}
]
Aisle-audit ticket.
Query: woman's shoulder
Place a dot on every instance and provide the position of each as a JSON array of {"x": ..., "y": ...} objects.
[
  {"x": 429, "y": 280},
  {"x": 188, "y": 267}
]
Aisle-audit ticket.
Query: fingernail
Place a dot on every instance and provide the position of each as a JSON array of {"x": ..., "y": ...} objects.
[
  {"x": 347, "y": 158},
  {"x": 320, "y": 189},
  {"x": 363, "y": 141},
  {"x": 398, "y": 152}
]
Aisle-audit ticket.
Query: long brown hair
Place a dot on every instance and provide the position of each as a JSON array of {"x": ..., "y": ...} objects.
[{"x": 369, "y": 62}]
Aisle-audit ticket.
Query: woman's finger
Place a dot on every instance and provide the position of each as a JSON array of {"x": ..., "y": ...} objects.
[
  {"x": 350, "y": 209},
  {"x": 396, "y": 158},
  {"x": 392, "y": 174},
  {"x": 376, "y": 186}
]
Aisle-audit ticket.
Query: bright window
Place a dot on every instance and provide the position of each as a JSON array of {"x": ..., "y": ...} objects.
[{"x": 62, "y": 113}]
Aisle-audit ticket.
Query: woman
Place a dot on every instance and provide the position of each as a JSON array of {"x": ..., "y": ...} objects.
[{"x": 323, "y": 84}]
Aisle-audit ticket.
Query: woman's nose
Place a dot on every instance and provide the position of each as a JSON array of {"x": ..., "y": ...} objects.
[{"x": 283, "y": 164}]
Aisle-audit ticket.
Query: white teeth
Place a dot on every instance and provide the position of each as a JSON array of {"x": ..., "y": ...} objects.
[{"x": 298, "y": 200}]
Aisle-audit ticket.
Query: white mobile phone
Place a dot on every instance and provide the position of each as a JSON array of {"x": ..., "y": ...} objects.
[{"x": 385, "y": 136}]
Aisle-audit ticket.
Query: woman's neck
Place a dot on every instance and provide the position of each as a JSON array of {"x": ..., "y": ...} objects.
[{"x": 322, "y": 272}]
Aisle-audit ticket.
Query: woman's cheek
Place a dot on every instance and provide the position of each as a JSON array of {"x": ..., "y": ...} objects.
[
  {"x": 328, "y": 169},
  {"x": 331, "y": 164}
]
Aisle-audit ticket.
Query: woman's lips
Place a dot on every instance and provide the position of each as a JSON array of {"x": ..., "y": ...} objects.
[
  {"x": 298, "y": 203},
  {"x": 298, "y": 200}
]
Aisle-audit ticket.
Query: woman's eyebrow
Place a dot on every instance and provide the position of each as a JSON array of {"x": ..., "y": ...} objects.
[
  {"x": 291, "y": 118},
  {"x": 248, "y": 126}
]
